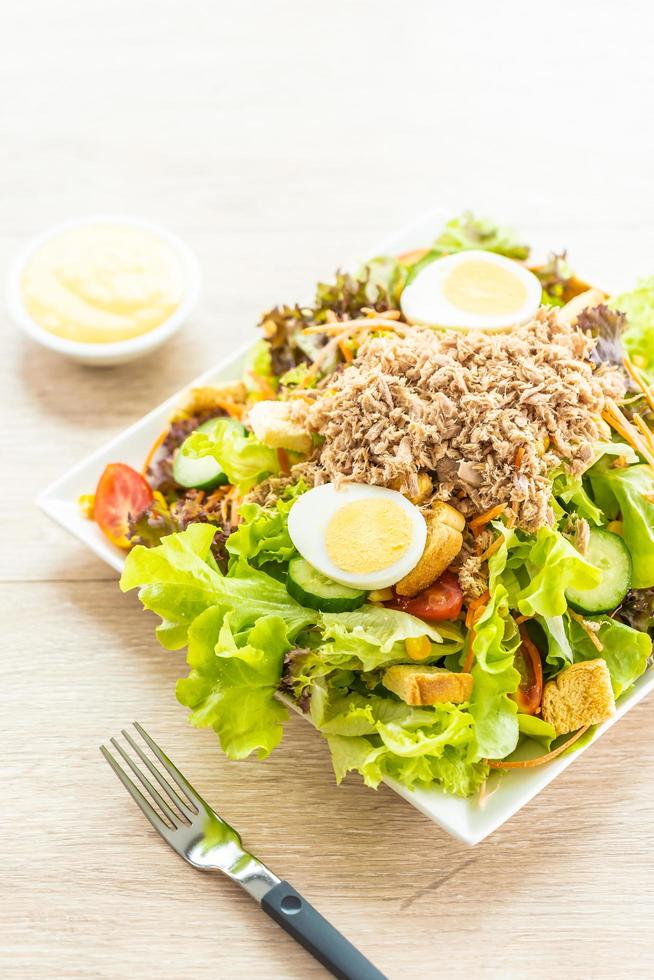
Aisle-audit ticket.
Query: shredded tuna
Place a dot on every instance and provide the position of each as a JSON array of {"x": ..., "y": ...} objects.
[{"x": 489, "y": 415}]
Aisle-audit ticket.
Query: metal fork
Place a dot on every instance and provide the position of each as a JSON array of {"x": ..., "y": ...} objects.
[{"x": 206, "y": 841}]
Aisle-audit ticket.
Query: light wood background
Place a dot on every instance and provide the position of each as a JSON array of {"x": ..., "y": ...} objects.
[{"x": 279, "y": 139}]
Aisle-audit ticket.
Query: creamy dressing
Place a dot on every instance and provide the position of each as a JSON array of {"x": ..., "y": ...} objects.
[{"x": 99, "y": 283}]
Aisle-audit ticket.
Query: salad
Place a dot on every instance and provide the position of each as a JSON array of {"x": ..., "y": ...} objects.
[{"x": 423, "y": 517}]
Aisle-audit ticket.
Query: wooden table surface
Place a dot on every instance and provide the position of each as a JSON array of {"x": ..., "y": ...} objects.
[{"x": 280, "y": 139}]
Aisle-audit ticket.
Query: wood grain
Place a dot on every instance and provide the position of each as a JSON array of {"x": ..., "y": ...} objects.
[{"x": 280, "y": 139}]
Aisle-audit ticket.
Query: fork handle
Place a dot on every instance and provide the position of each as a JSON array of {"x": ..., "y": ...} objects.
[{"x": 307, "y": 926}]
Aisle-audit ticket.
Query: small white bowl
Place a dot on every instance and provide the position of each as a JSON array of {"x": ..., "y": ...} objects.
[{"x": 120, "y": 351}]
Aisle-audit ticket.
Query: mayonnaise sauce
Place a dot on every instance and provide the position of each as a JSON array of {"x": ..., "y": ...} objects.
[{"x": 99, "y": 283}]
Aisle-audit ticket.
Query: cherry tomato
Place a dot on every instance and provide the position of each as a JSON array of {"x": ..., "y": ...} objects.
[
  {"x": 442, "y": 600},
  {"x": 121, "y": 492},
  {"x": 527, "y": 662}
]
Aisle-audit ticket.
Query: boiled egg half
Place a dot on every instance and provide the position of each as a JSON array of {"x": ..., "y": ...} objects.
[
  {"x": 358, "y": 535},
  {"x": 472, "y": 290}
]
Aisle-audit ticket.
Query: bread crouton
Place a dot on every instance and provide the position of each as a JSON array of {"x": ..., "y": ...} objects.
[
  {"x": 427, "y": 685},
  {"x": 591, "y": 297},
  {"x": 444, "y": 542},
  {"x": 272, "y": 424},
  {"x": 580, "y": 695},
  {"x": 209, "y": 398}
]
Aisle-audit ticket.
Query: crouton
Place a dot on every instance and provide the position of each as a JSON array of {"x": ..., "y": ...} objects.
[
  {"x": 209, "y": 398},
  {"x": 580, "y": 695},
  {"x": 591, "y": 297},
  {"x": 272, "y": 423},
  {"x": 444, "y": 542},
  {"x": 427, "y": 685}
]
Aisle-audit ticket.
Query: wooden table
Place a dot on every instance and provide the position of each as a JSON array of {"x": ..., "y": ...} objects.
[{"x": 280, "y": 139}]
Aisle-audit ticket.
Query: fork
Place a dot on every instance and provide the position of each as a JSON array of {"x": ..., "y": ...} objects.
[{"x": 207, "y": 842}]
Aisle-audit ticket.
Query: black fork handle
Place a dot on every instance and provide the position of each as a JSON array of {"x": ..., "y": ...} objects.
[{"x": 307, "y": 926}]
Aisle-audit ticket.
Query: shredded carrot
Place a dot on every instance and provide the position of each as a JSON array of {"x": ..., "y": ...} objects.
[
  {"x": 263, "y": 385},
  {"x": 158, "y": 442},
  {"x": 629, "y": 432},
  {"x": 519, "y": 454},
  {"x": 345, "y": 327},
  {"x": 479, "y": 601},
  {"x": 477, "y": 523},
  {"x": 646, "y": 432},
  {"x": 346, "y": 351},
  {"x": 539, "y": 760},
  {"x": 495, "y": 546},
  {"x": 520, "y": 619},
  {"x": 470, "y": 658},
  {"x": 588, "y": 630},
  {"x": 233, "y": 409},
  {"x": 284, "y": 465},
  {"x": 635, "y": 373}
]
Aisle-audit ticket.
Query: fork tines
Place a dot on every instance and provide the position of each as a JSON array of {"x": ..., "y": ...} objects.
[{"x": 185, "y": 806}]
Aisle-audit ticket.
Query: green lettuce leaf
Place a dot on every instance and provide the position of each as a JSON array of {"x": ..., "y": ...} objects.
[
  {"x": 244, "y": 459},
  {"x": 496, "y": 640},
  {"x": 179, "y": 579},
  {"x": 533, "y": 727},
  {"x": 233, "y": 680},
  {"x": 625, "y": 650},
  {"x": 625, "y": 491},
  {"x": 639, "y": 307},
  {"x": 468, "y": 232},
  {"x": 383, "y": 738},
  {"x": 262, "y": 536}
]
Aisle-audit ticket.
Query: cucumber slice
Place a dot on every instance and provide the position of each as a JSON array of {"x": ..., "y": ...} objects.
[
  {"x": 316, "y": 591},
  {"x": 609, "y": 553},
  {"x": 205, "y": 473}
]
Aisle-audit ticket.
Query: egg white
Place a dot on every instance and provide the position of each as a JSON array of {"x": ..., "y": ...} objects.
[
  {"x": 312, "y": 512},
  {"x": 423, "y": 300}
]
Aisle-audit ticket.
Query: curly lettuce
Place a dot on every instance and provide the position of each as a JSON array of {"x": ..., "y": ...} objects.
[
  {"x": 638, "y": 305},
  {"x": 244, "y": 459}
]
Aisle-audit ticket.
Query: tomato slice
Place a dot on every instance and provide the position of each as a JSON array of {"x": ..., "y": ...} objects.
[
  {"x": 442, "y": 600},
  {"x": 527, "y": 662},
  {"x": 121, "y": 492}
]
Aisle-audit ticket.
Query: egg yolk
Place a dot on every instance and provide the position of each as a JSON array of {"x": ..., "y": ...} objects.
[
  {"x": 482, "y": 287},
  {"x": 99, "y": 283},
  {"x": 368, "y": 535}
]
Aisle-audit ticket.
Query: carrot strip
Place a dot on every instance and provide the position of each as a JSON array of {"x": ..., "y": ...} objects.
[
  {"x": 470, "y": 658},
  {"x": 495, "y": 546},
  {"x": 346, "y": 351},
  {"x": 158, "y": 442},
  {"x": 629, "y": 432},
  {"x": 646, "y": 431},
  {"x": 637, "y": 376},
  {"x": 482, "y": 519},
  {"x": 539, "y": 760},
  {"x": 232, "y": 408},
  {"x": 519, "y": 455},
  {"x": 284, "y": 464},
  {"x": 263, "y": 385},
  {"x": 520, "y": 619}
]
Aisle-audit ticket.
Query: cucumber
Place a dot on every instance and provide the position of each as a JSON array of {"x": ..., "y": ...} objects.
[
  {"x": 609, "y": 553},
  {"x": 204, "y": 473},
  {"x": 312, "y": 589}
]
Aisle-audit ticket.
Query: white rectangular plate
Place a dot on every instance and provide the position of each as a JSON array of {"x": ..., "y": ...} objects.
[{"x": 469, "y": 820}]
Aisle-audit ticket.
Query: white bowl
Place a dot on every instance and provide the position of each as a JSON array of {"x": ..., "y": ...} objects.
[{"x": 120, "y": 351}]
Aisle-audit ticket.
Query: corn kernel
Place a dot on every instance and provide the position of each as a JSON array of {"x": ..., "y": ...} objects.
[
  {"x": 418, "y": 647},
  {"x": 380, "y": 595}
]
